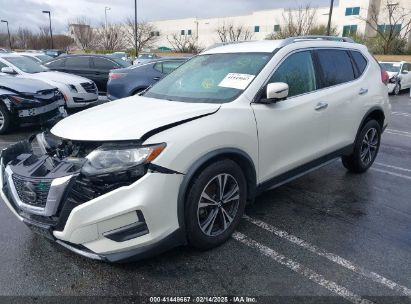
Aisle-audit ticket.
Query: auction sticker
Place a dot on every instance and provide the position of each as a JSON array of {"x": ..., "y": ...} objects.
[{"x": 236, "y": 81}]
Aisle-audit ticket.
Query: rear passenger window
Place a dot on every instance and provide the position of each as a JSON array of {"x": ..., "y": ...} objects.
[
  {"x": 104, "y": 64},
  {"x": 360, "y": 61},
  {"x": 336, "y": 67},
  {"x": 298, "y": 72},
  {"x": 55, "y": 63},
  {"x": 77, "y": 62}
]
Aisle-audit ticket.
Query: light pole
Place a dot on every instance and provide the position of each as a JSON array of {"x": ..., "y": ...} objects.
[
  {"x": 105, "y": 13},
  {"x": 135, "y": 25},
  {"x": 329, "y": 18},
  {"x": 8, "y": 31},
  {"x": 51, "y": 32}
]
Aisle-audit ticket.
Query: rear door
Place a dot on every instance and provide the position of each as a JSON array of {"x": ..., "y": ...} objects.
[
  {"x": 345, "y": 90},
  {"x": 100, "y": 69}
]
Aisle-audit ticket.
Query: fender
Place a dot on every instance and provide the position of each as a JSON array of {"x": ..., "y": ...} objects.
[
  {"x": 374, "y": 108},
  {"x": 252, "y": 180}
]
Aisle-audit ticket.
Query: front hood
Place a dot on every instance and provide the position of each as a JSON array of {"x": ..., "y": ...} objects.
[
  {"x": 60, "y": 77},
  {"x": 21, "y": 85},
  {"x": 128, "y": 119}
]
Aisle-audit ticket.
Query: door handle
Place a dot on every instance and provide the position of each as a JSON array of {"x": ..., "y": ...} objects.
[
  {"x": 156, "y": 78},
  {"x": 363, "y": 91},
  {"x": 321, "y": 106}
]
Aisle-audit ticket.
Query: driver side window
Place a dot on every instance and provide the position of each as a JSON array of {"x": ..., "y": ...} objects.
[{"x": 298, "y": 72}]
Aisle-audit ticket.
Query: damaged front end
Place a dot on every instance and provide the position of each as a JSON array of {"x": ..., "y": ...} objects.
[{"x": 44, "y": 178}]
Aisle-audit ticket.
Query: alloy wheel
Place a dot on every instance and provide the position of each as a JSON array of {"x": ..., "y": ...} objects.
[
  {"x": 218, "y": 204},
  {"x": 1, "y": 120},
  {"x": 369, "y": 146},
  {"x": 397, "y": 89}
]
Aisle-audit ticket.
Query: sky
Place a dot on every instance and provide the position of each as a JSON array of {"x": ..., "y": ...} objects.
[{"x": 28, "y": 13}]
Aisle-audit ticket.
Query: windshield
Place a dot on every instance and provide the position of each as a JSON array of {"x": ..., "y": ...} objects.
[
  {"x": 215, "y": 78},
  {"x": 391, "y": 67},
  {"x": 146, "y": 56},
  {"x": 43, "y": 57},
  {"x": 123, "y": 63},
  {"x": 26, "y": 65}
]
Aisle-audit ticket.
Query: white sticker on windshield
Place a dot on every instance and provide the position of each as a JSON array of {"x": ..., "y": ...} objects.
[{"x": 236, "y": 81}]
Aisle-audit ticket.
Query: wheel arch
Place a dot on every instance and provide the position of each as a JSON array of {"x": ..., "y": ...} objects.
[
  {"x": 240, "y": 157},
  {"x": 376, "y": 113}
]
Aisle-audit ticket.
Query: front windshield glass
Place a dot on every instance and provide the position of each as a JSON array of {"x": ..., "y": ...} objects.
[
  {"x": 215, "y": 78},
  {"x": 391, "y": 67},
  {"x": 26, "y": 65}
]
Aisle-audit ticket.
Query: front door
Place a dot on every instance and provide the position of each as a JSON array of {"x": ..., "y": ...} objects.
[{"x": 294, "y": 131}]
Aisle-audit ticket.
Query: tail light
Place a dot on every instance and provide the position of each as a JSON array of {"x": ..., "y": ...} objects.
[
  {"x": 116, "y": 75},
  {"x": 384, "y": 77}
]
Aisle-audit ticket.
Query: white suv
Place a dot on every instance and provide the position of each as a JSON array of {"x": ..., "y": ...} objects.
[{"x": 140, "y": 175}]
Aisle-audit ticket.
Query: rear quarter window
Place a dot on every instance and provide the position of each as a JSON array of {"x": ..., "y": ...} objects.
[
  {"x": 336, "y": 67},
  {"x": 360, "y": 62}
]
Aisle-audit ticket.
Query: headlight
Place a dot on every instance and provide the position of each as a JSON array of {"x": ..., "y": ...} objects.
[
  {"x": 116, "y": 158},
  {"x": 72, "y": 88}
]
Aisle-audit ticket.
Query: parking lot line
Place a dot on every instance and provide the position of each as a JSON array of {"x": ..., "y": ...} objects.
[
  {"x": 393, "y": 167},
  {"x": 301, "y": 269},
  {"x": 330, "y": 256},
  {"x": 401, "y": 114},
  {"x": 391, "y": 173},
  {"x": 397, "y": 133}
]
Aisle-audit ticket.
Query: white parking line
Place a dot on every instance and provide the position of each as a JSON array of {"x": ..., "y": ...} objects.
[
  {"x": 301, "y": 269},
  {"x": 401, "y": 114},
  {"x": 393, "y": 167},
  {"x": 396, "y": 132},
  {"x": 330, "y": 256},
  {"x": 392, "y": 173}
]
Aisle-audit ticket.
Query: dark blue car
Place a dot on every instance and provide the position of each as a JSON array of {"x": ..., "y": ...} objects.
[{"x": 135, "y": 79}]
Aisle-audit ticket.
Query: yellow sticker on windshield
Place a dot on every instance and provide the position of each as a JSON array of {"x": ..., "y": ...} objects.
[{"x": 207, "y": 83}]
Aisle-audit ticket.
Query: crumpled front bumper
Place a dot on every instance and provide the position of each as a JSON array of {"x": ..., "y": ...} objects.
[{"x": 128, "y": 223}]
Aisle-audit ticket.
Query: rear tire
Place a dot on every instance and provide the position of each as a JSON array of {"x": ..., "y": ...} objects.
[
  {"x": 5, "y": 120},
  {"x": 215, "y": 204},
  {"x": 366, "y": 148}
]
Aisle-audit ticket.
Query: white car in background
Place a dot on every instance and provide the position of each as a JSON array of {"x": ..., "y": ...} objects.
[
  {"x": 37, "y": 57},
  {"x": 78, "y": 91},
  {"x": 400, "y": 75}
]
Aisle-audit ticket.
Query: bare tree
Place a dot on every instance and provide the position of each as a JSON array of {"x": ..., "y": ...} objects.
[
  {"x": 62, "y": 42},
  {"x": 394, "y": 32},
  {"x": 82, "y": 32},
  {"x": 184, "y": 43},
  {"x": 23, "y": 37},
  {"x": 296, "y": 22},
  {"x": 147, "y": 34},
  {"x": 110, "y": 38},
  {"x": 230, "y": 32}
]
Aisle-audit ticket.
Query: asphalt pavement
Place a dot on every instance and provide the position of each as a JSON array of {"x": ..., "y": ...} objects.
[{"x": 329, "y": 236}]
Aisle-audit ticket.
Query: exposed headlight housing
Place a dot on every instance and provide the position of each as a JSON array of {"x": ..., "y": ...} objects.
[{"x": 111, "y": 158}]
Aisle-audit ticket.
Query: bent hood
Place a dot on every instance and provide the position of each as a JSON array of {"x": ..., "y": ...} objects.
[
  {"x": 24, "y": 86},
  {"x": 60, "y": 77},
  {"x": 128, "y": 119}
]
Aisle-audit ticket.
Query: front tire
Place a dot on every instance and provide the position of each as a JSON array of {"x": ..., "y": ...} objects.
[
  {"x": 5, "y": 120},
  {"x": 215, "y": 204},
  {"x": 397, "y": 89},
  {"x": 366, "y": 148}
]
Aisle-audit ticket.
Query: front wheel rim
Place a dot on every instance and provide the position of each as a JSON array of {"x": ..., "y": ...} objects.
[
  {"x": 1, "y": 120},
  {"x": 369, "y": 146},
  {"x": 218, "y": 204}
]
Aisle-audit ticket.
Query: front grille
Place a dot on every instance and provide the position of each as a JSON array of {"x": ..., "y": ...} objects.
[
  {"x": 90, "y": 87},
  {"x": 32, "y": 192}
]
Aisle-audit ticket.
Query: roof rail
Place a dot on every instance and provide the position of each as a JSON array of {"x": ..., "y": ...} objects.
[
  {"x": 218, "y": 44},
  {"x": 290, "y": 40}
]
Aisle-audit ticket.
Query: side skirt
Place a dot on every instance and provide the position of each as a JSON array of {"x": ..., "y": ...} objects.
[{"x": 302, "y": 170}]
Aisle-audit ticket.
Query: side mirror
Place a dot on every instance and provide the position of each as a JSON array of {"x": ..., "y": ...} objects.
[
  {"x": 8, "y": 70},
  {"x": 277, "y": 91}
]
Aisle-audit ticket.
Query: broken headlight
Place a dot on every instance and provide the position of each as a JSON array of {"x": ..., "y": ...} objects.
[{"x": 112, "y": 158}]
